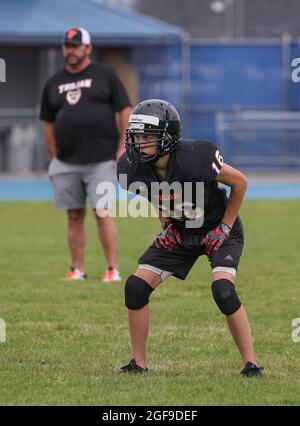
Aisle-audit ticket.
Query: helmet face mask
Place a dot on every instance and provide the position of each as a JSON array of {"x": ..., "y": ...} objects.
[
  {"x": 145, "y": 144},
  {"x": 150, "y": 118},
  {"x": 137, "y": 145}
]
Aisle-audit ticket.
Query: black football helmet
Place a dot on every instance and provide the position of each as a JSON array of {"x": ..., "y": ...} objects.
[{"x": 156, "y": 117}]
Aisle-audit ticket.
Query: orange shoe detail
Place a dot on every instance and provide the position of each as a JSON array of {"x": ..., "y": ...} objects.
[
  {"x": 111, "y": 275},
  {"x": 75, "y": 275}
]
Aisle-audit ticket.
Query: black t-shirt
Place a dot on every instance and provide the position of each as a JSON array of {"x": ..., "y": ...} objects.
[
  {"x": 82, "y": 107},
  {"x": 200, "y": 204}
]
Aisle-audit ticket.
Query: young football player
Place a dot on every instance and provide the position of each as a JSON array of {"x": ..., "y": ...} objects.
[{"x": 156, "y": 154}]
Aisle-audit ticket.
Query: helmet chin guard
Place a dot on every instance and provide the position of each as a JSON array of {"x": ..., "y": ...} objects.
[{"x": 152, "y": 117}]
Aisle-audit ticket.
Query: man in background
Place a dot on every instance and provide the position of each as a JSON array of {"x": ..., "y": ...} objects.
[{"x": 79, "y": 105}]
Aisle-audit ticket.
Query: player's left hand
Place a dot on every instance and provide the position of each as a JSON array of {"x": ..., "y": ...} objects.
[
  {"x": 215, "y": 238},
  {"x": 169, "y": 239}
]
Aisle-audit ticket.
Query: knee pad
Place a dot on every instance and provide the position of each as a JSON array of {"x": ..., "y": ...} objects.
[
  {"x": 137, "y": 292},
  {"x": 225, "y": 296}
]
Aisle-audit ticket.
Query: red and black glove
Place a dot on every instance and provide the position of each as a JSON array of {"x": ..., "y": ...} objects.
[
  {"x": 215, "y": 238},
  {"x": 169, "y": 239}
]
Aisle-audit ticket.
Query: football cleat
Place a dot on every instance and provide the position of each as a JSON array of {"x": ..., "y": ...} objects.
[
  {"x": 75, "y": 275},
  {"x": 252, "y": 370},
  {"x": 132, "y": 367},
  {"x": 111, "y": 275}
]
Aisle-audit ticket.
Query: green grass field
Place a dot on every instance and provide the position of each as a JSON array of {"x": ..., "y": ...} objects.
[{"x": 66, "y": 342}]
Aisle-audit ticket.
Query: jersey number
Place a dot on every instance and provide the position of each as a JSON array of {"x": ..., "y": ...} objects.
[{"x": 219, "y": 161}]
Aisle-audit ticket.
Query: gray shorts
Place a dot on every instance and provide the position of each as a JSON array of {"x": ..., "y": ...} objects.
[{"x": 73, "y": 183}]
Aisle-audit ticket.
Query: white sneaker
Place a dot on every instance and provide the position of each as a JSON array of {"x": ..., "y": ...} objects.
[
  {"x": 75, "y": 275},
  {"x": 111, "y": 275}
]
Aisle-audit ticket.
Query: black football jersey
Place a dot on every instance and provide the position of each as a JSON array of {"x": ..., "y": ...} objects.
[
  {"x": 189, "y": 194},
  {"x": 82, "y": 108}
]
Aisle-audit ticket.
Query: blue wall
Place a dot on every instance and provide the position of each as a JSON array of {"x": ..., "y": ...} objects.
[
  {"x": 225, "y": 78},
  {"x": 161, "y": 75},
  {"x": 159, "y": 72},
  {"x": 236, "y": 76}
]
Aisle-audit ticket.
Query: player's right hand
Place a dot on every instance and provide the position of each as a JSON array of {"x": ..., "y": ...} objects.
[{"x": 169, "y": 239}]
